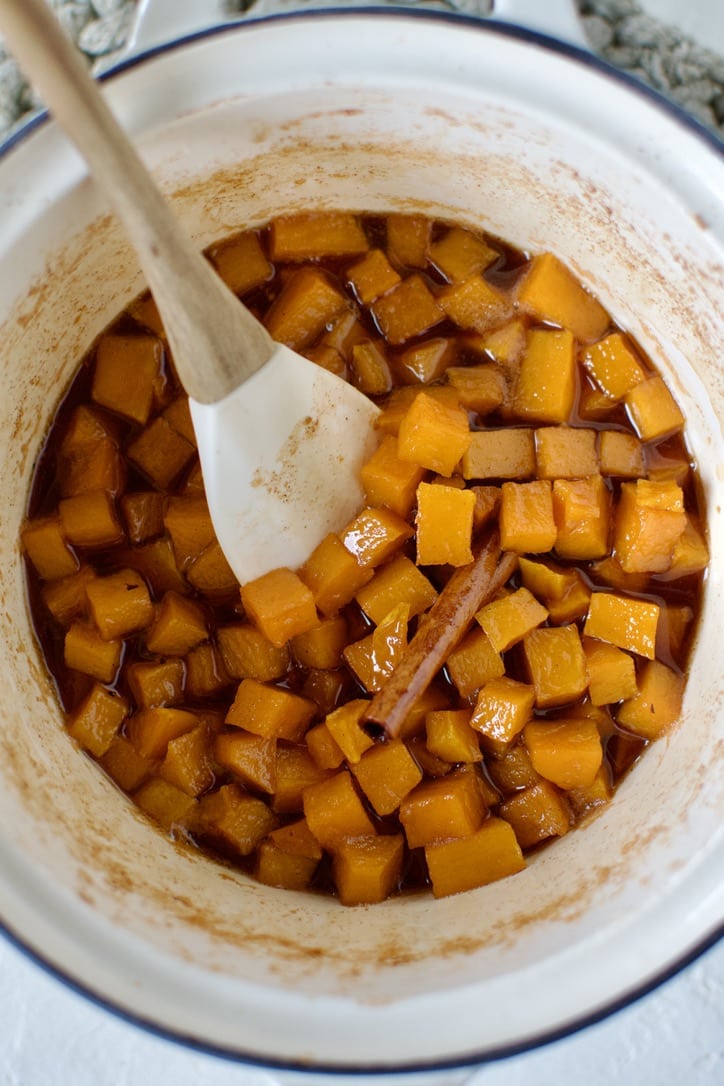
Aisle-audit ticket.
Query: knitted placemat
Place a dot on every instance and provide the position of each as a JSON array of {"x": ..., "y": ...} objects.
[{"x": 618, "y": 30}]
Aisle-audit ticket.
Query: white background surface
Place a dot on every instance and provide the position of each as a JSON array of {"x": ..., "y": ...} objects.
[{"x": 50, "y": 1036}]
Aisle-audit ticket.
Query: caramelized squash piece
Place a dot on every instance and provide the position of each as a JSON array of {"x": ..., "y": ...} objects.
[
  {"x": 375, "y": 535},
  {"x": 333, "y": 575},
  {"x": 367, "y": 869},
  {"x": 450, "y": 806},
  {"x": 408, "y": 239},
  {"x": 500, "y": 454},
  {"x": 552, "y": 293},
  {"x": 567, "y": 752},
  {"x": 161, "y": 453},
  {"x": 178, "y": 626},
  {"x": 119, "y": 604},
  {"x": 581, "y": 508},
  {"x": 459, "y": 254},
  {"x": 611, "y": 672},
  {"x": 372, "y": 276},
  {"x": 334, "y": 811},
  {"x": 252, "y": 758},
  {"x": 375, "y": 657},
  {"x": 154, "y": 684},
  {"x": 312, "y": 235},
  {"x": 117, "y": 357},
  {"x": 322, "y": 646},
  {"x": 370, "y": 371},
  {"x": 629, "y": 623},
  {"x": 556, "y": 665},
  {"x": 143, "y": 514},
  {"x": 165, "y": 803},
  {"x": 479, "y": 388},
  {"x": 345, "y": 727},
  {"x": 187, "y": 764},
  {"x": 510, "y": 618},
  {"x": 653, "y": 410},
  {"x": 450, "y": 736},
  {"x": 242, "y": 263},
  {"x": 657, "y": 703},
  {"x": 94, "y": 723},
  {"x": 85, "y": 650},
  {"x": 248, "y": 654},
  {"x": 546, "y": 384},
  {"x": 537, "y": 813},
  {"x": 239, "y": 820},
  {"x": 488, "y": 854},
  {"x": 389, "y": 480},
  {"x": 433, "y": 435},
  {"x": 46, "y": 545},
  {"x": 620, "y": 454},
  {"x": 503, "y": 708},
  {"x": 308, "y": 302},
  {"x": 270, "y": 711},
  {"x": 90, "y": 520},
  {"x": 526, "y": 517},
  {"x": 408, "y": 310},
  {"x": 565, "y": 452},
  {"x": 650, "y": 520},
  {"x": 296, "y": 772},
  {"x": 398, "y": 582},
  {"x": 426, "y": 362},
  {"x": 613, "y": 366},
  {"x": 280, "y": 605},
  {"x": 151, "y": 730},
  {"x": 474, "y": 304},
  {"x": 473, "y": 663},
  {"x": 444, "y": 524}
]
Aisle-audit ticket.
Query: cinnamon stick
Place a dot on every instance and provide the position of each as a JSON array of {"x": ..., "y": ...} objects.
[{"x": 443, "y": 627}]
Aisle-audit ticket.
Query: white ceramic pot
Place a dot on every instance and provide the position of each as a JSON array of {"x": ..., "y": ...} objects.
[{"x": 542, "y": 145}]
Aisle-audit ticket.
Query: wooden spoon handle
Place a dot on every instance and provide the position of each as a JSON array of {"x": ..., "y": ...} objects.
[{"x": 216, "y": 342}]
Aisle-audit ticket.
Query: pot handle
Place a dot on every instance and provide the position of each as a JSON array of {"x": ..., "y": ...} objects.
[{"x": 158, "y": 21}]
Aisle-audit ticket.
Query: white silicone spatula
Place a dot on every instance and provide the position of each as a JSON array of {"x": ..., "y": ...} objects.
[{"x": 280, "y": 439}]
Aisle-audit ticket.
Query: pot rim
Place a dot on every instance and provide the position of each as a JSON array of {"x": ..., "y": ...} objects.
[{"x": 575, "y": 1025}]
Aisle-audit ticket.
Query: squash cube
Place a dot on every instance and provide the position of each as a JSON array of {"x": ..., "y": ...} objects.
[
  {"x": 270, "y": 711},
  {"x": 90, "y": 520},
  {"x": 581, "y": 508},
  {"x": 629, "y": 623},
  {"x": 620, "y": 454},
  {"x": 449, "y": 806},
  {"x": 375, "y": 657},
  {"x": 425, "y": 362},
  {"x": 650, "y": 520},
  {"x": 178, "y": 626},
  {"x": 127, "y": 373},
  {"x": 546, "y": 384},
  {"x": 95, "y": 722},
  {"x": 161, "y": 453},
  {"x": 526, "y": 517},
  {"x": 564, "y": 452},
  {"x": 156, "y": 684},
  {"x": 473, "y": 663},
  {"x": 333, "y": 575},
  {"x": 85, "y": 650},
  {"x": 280, "y": 605},
  {"x": 408, "y": 310},
  {"x": 242, "y": 263},
  {"x": 188, "y": 522},
  {"x": 611, "y": 672},
  {"x": 308, "y": 302},
  {"x": 345, "y": 727},
  {"x": 552, "y": 293},
  {"x": 598, "y": 794},
  {"x": 206, "y": 675},
  {"x": 334, "y": 811},
  {"x": 503, "y": 708},
  {"x": 187, "y": 765},
  {"x": 512, "y": 770},
  {"x": 143, "y": 514},
  {"x": 296, "y": 772},
  {"x": 562, "y": 591},
  {"x": 396, "y": 405},
  {"x": 372, "y": 276},
  {"x": 157, "y": 563},
  {"x": 490, "y": 853},
  {"x": 400, "y": 581},
  {"x": 151, "y": 730},
  {"x": 567, "y": 752},
  {"x": 313, "y": 235},
  {"x": 653, "y": 410},
  {"x": 500, "y": 454},
  {"x": 690, "y": 553},
  {"x": 387, "y": 773},
  {"x": 408, "y": 239},
  {"x": 370, "y": 370},
  {"x": 433, "y": 435},
  {"x": 251, "y": 758},
  {"x": 165, "y": 804},
  {"x": 322, "y": 646},
  {"x": 124, "y": 764},
  {"x": 613, "y": 366},
  {"x": 508, "y": 619},
  {"x": 368, "y": 869},
  {"x": 556, "y": 665},
  {"x": 458, "y": 254},
  {"x": 657, "y": 703},
  {"x": 94, "y": 466},
  {"x": 537, "y": 813},
  {"x": 388, "y": 480},
  {"x": 47, "y": 547},
  {"x": 66, "y": 598},
  {"x": 474, "y": 304},
  {"x": 479, "y": 388},
  {"x": 210, "y": 573},
  {"x": 119, "y": 604},
  {"x": 450, "y": 736},
  {"x": 275, "y": 867},
  {"x": 375, "y": 535},
  {"x": 248, "y": 654},
  {"x": 327, "y": 688},
  {"x": 323, "y": 747},
  {"x": 444, "y": 525},
  {"x": 239, "y": 820}
]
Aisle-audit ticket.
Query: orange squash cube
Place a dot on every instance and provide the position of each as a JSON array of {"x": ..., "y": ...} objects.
[
  {"x": 296, "y": 772},
  {"x": 345, "y": 727},
  {"x": 653, "y": 410},
  {"x": 143, "y": 514},
  {"x": 388, "y": 480},
  {"x": 117, "y": 358},
  {"x": 368, "y": 869},
  {"x": 474, "y": 304},
  {"x": 187, "y": 765},
  {"x": 611, "y": 672},
  {"x": 537, "y": 813},
  {"x": 156, "y": 684},
  {"x": 307, "y": 303},
  {"x": 119, "y": 604},
  {"x": 145, "y": 312},
  {"x": 151, "y": 730},
  {"x": 449, "y": 806},
  {"x": 397, "y": 404},
  {"x": 526, "y": 517},
  {"x": 375, "y": 535},
  {"x": 565, "y": 452},
  {"x": 206, "y": 675},
  {"x": 322, "y": 646},
  {"x": 435, "y": 697},
  {"x": 211, "y": 574},
  {"x": 242, "y": 263},
  {"x": 556, "y": 665},
  {"x": 657, "y": 703},
  {"x": 504, "y": 344},
  {"x": 552, "y": 293},
  {"x": 500, "y": 454},
  {"x": 375, "y": 657},
  {"x": 280, "y": 605},
  {"x": 334, "y": 811},
  {"x": 479, "y": 388},
  {"x": 275, "y": 867},
  {"x": 425, "y": 362},
  {"x": 296, "y": 839},
  {"x": 45, "y": 543},
  {"x": 473, "y": 663},
  {"x": 124, "y": 764},
  {"x": 323, "y": 747},
  {"x": 458, "y": 254},
  {"x": 581, "y": 508},
  {"x": 598, "y": 794},
  {"x": 165, "y": 804},
  {"x": 333, "y": 575},
  {"x": 252, "y": 758},
  {"x": 188, "y": 522},
  {"x": 567, "y": 752},
  {"x": 487, "y": 503},
  {"x": 562, "y": 591},
  {"x": 512, "y": 770},
  {"x": 270, "y": 711},
  {"x": 629, "y": 623},
  {"x": 239, "y": 820},
  {"x": 157, "y": 563},
  {"x": 372, "y": 276},
  {"x": 620, "y": 454},
  {"x": 650, "y": 520},
  {"x": 94, "y": 723},
  {"x": 85, "y": 650},
  {"x": 444, "y": 525},
  {"x": 408, "y": 310},
  {"x": 313, "y": 235},
  {"x": 161, "y": 453},
  {"x": 178, "y": 626},
  {"x": 248, "y": 654},
  {"x": 326, "y": 688},
  {"x": 387, "y": 773},
  {"x": 503, "y": 708},
  {"x": 178, "y": 416},
  {"x": 65, "y": 598},
  {"x": 370, "y": 371},
  {"x": 690, "y": 553},
  {"x": 90, "y": 520},
  {"x": 613, "y": 366},
  {"x": 398, "y": 582},
  {"x": 408, "y": 240},
  {"x": 508, "y": 619},
  {"x": 546, "y": 384},
  {"x": 490, "y": 853},
  {"x": 94, "y": 466},
  {"x": 450, "y": 736},
  {"x": 433, "y": 435}
]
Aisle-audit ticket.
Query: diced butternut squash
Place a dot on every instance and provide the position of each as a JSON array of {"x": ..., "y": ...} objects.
[
  {"x": 187, "y": 764},
  {"x": 624, "y": 621},
  {"x": 90, "y": 520},
  {"x": 206, "y": 675},
  {"x": 155, "y": 684},
  {"x": 388, "y": 480},
  {"x": 650, "y": 520},
  {"x": 307, "y": 303},
  {"x": 296, "y": 772},
  {"x": 396, "y": 405},
  {"x": 119, "y": 604},
  {"x": 479, "y": 388},
  {"x": 66, "y": 598},
  {"x": 370, "y": 371},
  {"x": 188, "y": 522},
  {"x": 450, "y": 736},
  {"x": 387, "y": 773},
  {"x": 375, "y": 535},
  {"x": 500, "y": 454},
  {"x": 581, "y": 508},
  {"x": 598, "y": 794},
  {"x": 275, "y": 867},
  {"x": 444, "y": 525},
  {"x": 526, "y": 517},
  {"x": 508, "y": 619},
  {"x": 95, "y": 466},
  {"x": 552, "y": 293},
  {"x": 178, "y": 416},
  {"x": 143, "y": 515},
  {"x": 690, "y": 553},
  {"x": 145, "y": 312},
  {"x": 537, "y": 813},
  {"x": 157, "y": 563},
  {"x": 657, "y": 703},
  {"x": 474, "y": 304},
  {"x": 368, "y": 869},
  {"x": 178, "y": 626},
  {"x": 211, "y": 574},
  {"x": 270, "y": 711},
  {"x": 620, "y": 454},
  {"x": 333, "y": 575},
  {"x": 296, "y": 839},
  {"x": 567, "y": 752},
  {"x": 613, "y": 366},
  {"x": 433, "y": 435},
  {"x": 556, "y": 665},
  {"x": 372, "y": 276},
  {"x": 473, "y": 663},
  {"x": 312, "y": 235},
  {"x": 323, "y": 747},
  {"x": 151, "y": 730},
  {"x": 490, "y": 853},
  {"x": 326, "y": 688},
  {"x": 280, "y": 605},
  {"x": 425, "y": 362},
  {"x": 126, "y": 374},
  {"x": 242, "y": 263},
  {"x": 85, "y": 650},
  {"x": 161, "y": 453},
  {"x": 408, "y": 310},
  {"x": 46, "y": 545},
  {"x": 458, "y": 254},
  {"x": 334, "y": 811},
  {"x": 408, "y": 239},
  {"x": 322, "y": 646},
  {"x": 248, "y": 654},
  {"x": 564, "y": 452},
  {"x": 346, "y": 728},
  {"x": 94, "y": 723},
  {"x": 124, "y": 764},
  {"x": 653, "y": 410},
  {"x": 503, "y": 708},
  {"x": 375, "y": 657},
  {"x": 611, "y": 672},
  {"x": 400, "y": 581},
  {"x": 252, "y": 758},
  {"x": 165, "y": 803},
  {"x": 546, "y": 384},
  {"x": 450, "y": 806},
  {"x": 512, "y": 770},
  {"x": 238, "y": 820}
]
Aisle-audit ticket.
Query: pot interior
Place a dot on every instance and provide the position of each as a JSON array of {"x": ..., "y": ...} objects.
[{"x": 372, "y": 113}]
